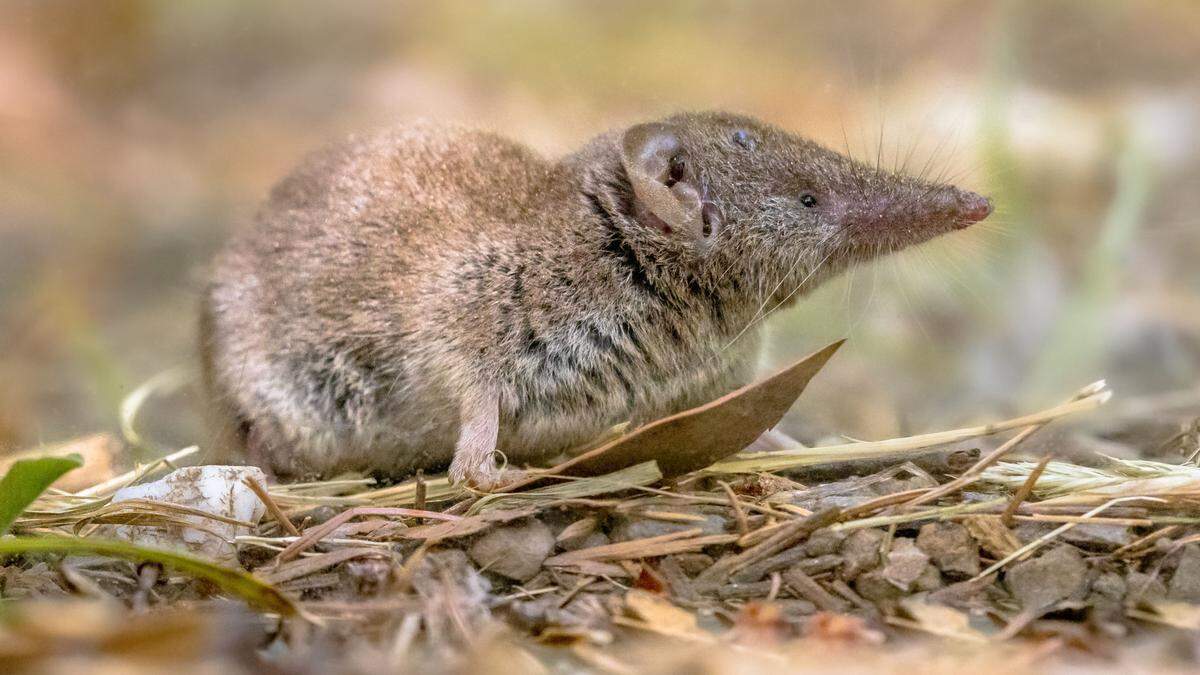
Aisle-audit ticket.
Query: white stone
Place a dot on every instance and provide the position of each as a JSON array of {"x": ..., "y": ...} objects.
[{"x": 218, "y": 490}]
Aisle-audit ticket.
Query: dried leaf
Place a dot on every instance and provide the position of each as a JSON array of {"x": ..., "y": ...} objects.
[
  {"x": 1177, "y": 614},
  {"x": 844, "y": 628},
  {"x": 99, "y": 453},
  {"x": 760, "y": 623},
  {"x": 939, "y": 620},
  {"x": 657, "y": 614},
  {"x": 694, "y": 439},
  {"x": 578, "y": 529},
  {"x": 650, "y": 581},
  {"x": 993, "y": 535}
]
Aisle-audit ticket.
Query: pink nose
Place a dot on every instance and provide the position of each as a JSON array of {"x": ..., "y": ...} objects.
[{"x": 972, "y": 207}]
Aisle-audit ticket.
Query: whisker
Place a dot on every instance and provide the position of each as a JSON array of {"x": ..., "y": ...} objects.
[{"x": 897, "y": 263}]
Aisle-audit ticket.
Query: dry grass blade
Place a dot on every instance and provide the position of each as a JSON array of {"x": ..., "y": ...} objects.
[
  {"x": 1133, "y": 548},
  {"x": 166, "y": 381},
  {"x": 649, "y": 547},
  {"x": 1065, "y": 483},
  {"x": 971, "y": 475},
  {"x": 107, "y": 488},
  {"x": 786, "y": 459},
  {"x": 786, "y": 536},
  {"x": 646, "y": 473},
  {"x": 314, "y": 535},
  {"x": 305, "y": 566},
  {"x": 351, "y": 492},
  {"x": 1024, "y": 491}
]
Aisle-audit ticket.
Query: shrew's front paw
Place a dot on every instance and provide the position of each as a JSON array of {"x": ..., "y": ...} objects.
[
  {"x": 474, "y": 463},
  {"x": 473, "y": 471}
]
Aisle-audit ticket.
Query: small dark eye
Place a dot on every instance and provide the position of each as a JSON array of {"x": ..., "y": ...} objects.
[
  {"x": 677, "y": 169},
  {"x": 808, "y": 200},
  {"x": 742, "y": 138}
]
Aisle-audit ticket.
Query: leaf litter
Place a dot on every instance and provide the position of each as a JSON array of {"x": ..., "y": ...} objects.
[{"x": 670, "y": 530}]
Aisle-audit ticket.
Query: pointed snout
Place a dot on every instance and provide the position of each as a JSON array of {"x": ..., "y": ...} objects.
[{"x": 970, "y": 208}]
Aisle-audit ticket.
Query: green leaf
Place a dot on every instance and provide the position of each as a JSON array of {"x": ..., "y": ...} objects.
[
  {"x": 232, "y": 581},
  {"x": 27, "y": 479}
]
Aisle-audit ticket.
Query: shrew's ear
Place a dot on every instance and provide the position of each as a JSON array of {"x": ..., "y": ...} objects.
[{"x": 665, "y": 181}]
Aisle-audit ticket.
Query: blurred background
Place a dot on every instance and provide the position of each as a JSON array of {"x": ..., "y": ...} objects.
[{"x": 134, "y": 136}]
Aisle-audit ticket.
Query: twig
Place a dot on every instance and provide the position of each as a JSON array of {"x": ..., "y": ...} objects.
[
  {"x": 272, "y": 507},
  {"x": 663, "y": 544},
  {"x": 785, "y": 537},
  {"x": 1149, "y": 538},
  {"x": 1045, "y": 538},
  {"x": 314, "y": 535},
  {"x": 808, "y": 588},
  {"x": 843, "y": 589},
  {"x": 419, "y": 491},
  {"x": 301, "y": 568},
  {"x": 739, "y": 515},
  {"x": 883, "y": 502},
  {"x": 1024, "y": 491}
]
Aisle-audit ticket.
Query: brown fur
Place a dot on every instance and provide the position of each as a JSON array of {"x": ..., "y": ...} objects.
[{"x": 399, "y": 289}]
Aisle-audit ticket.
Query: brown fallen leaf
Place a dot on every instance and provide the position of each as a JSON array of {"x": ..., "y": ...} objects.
[
  {"x": 650, "y": 581},
  {"x": 760, "y": 623},
  {"x": 993, "y": 535},
  {"x": 1177, "y": 614},
  {"x": 842, "y": 628},
  {"x": 656, "y": 614},
  {"x": 578, "y": 529},
  {"x": 938, "y": 620},
  {"x": 99, "y": 453},
  {"x": 695, "y": 438}
]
